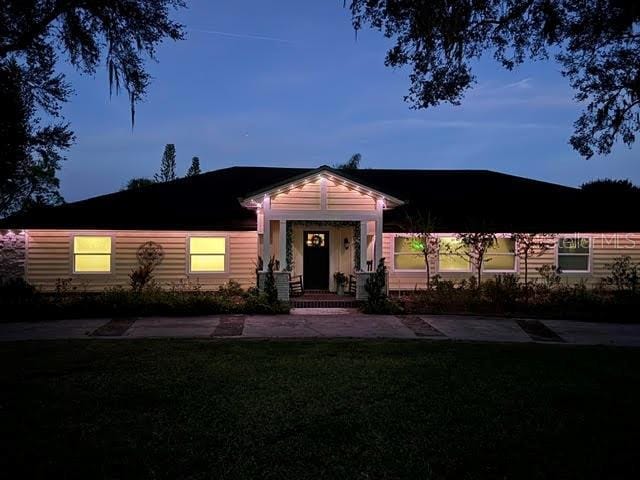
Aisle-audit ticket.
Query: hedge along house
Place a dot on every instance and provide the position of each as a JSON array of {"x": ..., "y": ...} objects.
[{"x": 212, "y": 228}]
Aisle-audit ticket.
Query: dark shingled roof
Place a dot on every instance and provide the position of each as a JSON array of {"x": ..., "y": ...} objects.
[{"x": 459, "y": 200}]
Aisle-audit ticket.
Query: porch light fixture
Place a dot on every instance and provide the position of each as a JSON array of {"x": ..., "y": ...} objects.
[{"x": 346, "y": 243}]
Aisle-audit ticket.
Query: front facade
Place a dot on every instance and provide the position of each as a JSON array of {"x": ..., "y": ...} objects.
[{"x": 313, "y": 224}]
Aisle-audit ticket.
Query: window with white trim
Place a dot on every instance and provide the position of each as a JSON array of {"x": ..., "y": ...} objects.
[
  {"x": 501, "y": 257},
  {"x": 207, "y": 254},
  {"x": 91, "y": 254},
  {"x": 573, "y": 254},
  {"x": 451, "y": 256},
  {"x": 407, "y": 254}
]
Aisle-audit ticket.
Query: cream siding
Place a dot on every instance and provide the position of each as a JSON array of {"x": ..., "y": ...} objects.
[
  {"x": 50, "y": 257},
  {"x": 341, "y": 197},
  {"x": 606, "y": 247},
  {"x": 305, "y": 197}
]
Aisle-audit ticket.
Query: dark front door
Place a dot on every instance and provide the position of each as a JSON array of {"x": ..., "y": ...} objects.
[{"x": 316, "y": 260}]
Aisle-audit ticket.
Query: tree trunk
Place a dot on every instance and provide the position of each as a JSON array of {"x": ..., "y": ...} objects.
[{"x": 426, "y": 261}]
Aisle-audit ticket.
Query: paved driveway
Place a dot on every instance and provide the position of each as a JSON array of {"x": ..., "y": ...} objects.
[{"x": 325, "y": 324}]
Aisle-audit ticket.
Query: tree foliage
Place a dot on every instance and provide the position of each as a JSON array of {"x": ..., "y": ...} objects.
[
  {"x": 194, "y": 169},
  {"x": 167, "y": 165},
  {"x": 352, "y": 164},
  {"x": 475, "y": 246},
  {"x": 139, "y": 182},
  {"x": 30, "y": 154},
  {"x": 37, "y": 35},
  {"x": 424, "y": 240},
  {"x": 530, "y": 245},
  {"x": 596, "y": 43},
  {"x": 606, "y": 186}
]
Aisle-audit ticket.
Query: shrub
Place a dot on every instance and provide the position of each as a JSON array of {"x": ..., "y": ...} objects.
[
  {"x": 550, "y": 275},
  {"x": 625, "y": 275},
  {"x": 270, "y": 288},
  {"x": 121, "y": 302},
  {"x": 376, "y": 287},
  {"x": 16, "y": 289}
]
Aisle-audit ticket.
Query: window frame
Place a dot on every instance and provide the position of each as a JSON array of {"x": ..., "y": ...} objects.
[
  {"x": 514, "y": 254},
  {"x": 394, "y": 253},
  {"x": 438, "y": 269},
  {"x": 209, "y": 272},
  {"x": 589, "y": 255},
  {"x": 73, "y": 254}
]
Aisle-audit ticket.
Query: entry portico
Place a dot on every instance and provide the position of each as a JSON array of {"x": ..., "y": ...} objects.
[{"x": 322, "y": 209}]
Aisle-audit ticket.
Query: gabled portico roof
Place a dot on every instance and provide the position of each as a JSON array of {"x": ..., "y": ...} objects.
[{"x": 255, "y": 198}]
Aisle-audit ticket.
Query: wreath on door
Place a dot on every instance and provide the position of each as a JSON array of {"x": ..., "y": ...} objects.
[{"x": 316, "y": 240}]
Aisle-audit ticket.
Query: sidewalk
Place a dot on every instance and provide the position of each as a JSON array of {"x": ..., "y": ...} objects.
[{"x": 324, "y": 324}]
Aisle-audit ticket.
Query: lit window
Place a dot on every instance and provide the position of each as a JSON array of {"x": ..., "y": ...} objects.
[
  {"x": 501, "y": 257},
  {"x": 91, "y": 254},
  {"x": 451, "y": 256},
  {"x": 573, "y": 254},
  {"x": 207, "y": 254},
  {"x": 407, "y": 254}
]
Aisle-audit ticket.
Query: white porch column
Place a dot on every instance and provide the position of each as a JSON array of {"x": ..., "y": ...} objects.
[
  {"x": 283, "y": 244},
  {"x": 363, "y": 246},
  {"x": 378, "y": 244},
  {"x": 266, "y": 243}
]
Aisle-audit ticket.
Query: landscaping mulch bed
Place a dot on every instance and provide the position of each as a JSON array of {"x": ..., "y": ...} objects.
[
  {"x": 229, "y": 326},
  {"x": 538, "y": 331},
  {"x": 114, "y": 328},
  {"x": 420, "y": 327}
]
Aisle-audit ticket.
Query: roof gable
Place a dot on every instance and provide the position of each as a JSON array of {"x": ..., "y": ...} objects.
[{"x": 339, "y": 177}]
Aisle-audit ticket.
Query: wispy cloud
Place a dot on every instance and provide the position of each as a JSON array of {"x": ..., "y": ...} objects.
[
  {"x": 523, "y": 84},
  {"x": 248, "y": 36}
]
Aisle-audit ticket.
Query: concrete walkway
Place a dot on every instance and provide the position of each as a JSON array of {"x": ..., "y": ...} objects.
[{"x": 333, "y": 324}]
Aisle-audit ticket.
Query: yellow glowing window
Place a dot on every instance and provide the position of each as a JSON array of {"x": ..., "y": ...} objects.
[
  {"x": 451, "y": 255},
  {"x": 407, "y": 254},
  {"x": 501, "y": 256},
  {"x": 207, "y": 254},
  {"x": 91, "y": 254}
]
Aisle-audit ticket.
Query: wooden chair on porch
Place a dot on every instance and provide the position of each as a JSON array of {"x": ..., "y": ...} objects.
[{"x": 296, "y": 286}]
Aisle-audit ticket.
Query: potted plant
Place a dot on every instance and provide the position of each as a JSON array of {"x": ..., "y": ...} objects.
[{"x": 341, "y": 280}]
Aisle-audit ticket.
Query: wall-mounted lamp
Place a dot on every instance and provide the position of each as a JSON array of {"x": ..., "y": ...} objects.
[{"x": 346, "y": 243}]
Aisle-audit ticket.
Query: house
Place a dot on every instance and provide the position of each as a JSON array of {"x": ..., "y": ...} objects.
[{"x": 213, "y": 227}]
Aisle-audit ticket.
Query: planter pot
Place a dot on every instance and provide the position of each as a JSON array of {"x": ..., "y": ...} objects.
[{"x": 340, "y": 288}]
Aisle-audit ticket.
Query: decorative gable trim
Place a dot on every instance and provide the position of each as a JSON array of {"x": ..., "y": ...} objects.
[{"x": 322, "y": 174}]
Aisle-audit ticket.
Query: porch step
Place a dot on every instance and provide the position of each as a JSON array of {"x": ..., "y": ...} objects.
[{"x": 312, "y": 303}]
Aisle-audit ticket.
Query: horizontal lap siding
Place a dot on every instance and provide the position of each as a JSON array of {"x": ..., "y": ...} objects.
[
  {"x": 49, "y": 258},
  {"x": 605, "y": 249},
  {"x": 340, "y": 197},
  {"x": 306, "y": 197}
]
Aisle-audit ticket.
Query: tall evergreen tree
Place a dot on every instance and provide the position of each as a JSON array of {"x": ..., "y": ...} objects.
[
  {"x": 168, "y": 165},
  {"x": 194, "y": 169}
]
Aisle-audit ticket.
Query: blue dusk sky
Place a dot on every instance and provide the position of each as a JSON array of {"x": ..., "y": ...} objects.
[{"x": 286, "y": 83}]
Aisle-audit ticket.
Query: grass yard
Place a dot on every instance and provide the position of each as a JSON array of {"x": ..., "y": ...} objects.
[{"x": 332, "y": 409}]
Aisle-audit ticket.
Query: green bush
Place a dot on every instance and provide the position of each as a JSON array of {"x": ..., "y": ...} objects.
[
  {"x": 121, "y": 302},
  {"x": 504, "y": 295}
]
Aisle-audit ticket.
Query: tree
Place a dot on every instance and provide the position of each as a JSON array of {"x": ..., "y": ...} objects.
[
  {"x": 33, "y": 33},
  {"x": 137, "y": 183},
  {"x": 194, "y": 169},
  {"x": 167, "y": 165},
  {"x": 532, "y": 244},
  {"x": 475, "y": 247},
  {"x": 424, "y": 241},
  {"x": 352, "y": 164},
  {"x": 607, "y": 186},
  {"x": 596, "y": 43},
  {"x": 30, "y": 154}
]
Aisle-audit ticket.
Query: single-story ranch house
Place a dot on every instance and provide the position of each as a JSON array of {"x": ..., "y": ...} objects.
[{"x": 213, "y": 227}]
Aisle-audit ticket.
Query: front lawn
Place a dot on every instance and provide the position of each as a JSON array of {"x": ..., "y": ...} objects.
[{"x": 332, "y": 409}]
